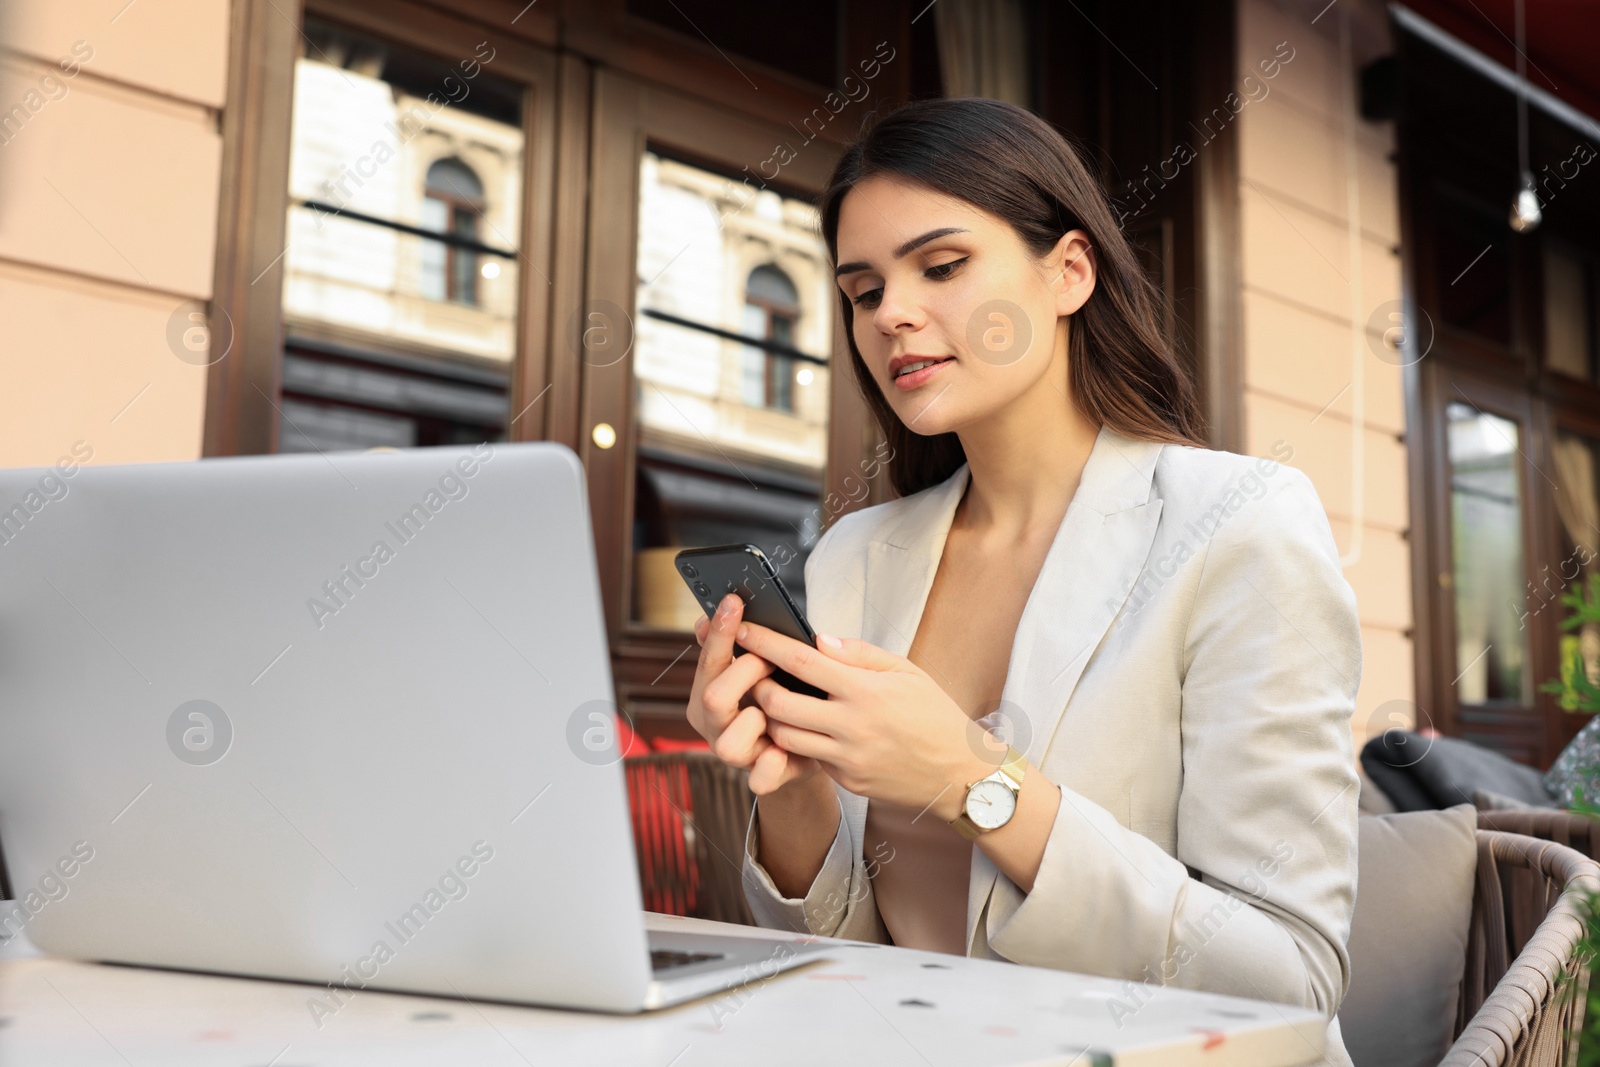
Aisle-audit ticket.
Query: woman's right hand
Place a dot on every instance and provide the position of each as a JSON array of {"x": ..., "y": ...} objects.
[{"x": 721, "y": 710}]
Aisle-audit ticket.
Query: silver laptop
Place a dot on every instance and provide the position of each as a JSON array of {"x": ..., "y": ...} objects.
[{"x": 342, "y": 719}]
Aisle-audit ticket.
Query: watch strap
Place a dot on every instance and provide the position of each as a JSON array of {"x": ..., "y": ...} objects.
[
  {"x": 1014, "y": 766},
  {"x": 1011, "y": 771}
]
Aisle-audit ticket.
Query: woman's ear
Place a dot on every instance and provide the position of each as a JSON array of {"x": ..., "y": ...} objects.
[{"x": 1073, "y": 264}]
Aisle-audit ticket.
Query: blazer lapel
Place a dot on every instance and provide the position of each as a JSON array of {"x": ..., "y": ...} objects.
[
  {"x": 901, "y": 563},
  {"x": 1088, "y": 574}
]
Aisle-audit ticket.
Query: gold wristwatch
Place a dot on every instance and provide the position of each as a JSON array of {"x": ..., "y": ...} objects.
[{"x": 991, "y": 801}]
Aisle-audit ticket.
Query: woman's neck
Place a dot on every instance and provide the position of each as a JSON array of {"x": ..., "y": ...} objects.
[{"x": 1025, "y": 462}]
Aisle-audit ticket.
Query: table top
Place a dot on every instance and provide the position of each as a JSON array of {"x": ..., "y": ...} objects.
[{"x": 859, "y": 1003}]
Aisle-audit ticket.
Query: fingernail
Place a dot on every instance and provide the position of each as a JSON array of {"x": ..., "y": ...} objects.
[
  {"x": 830, "y": 640},
  {"x": 744, "y": 632},
  {"x": 725, "y": 610}
]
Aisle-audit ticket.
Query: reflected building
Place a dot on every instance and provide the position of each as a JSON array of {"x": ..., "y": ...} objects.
[
  {"x": 400, "y": 275},
  {"x": 736, "y": 306}
]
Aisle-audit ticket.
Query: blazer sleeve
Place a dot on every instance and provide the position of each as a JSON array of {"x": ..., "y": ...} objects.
[
  {"x": 1266, "y": 816},
  {"x": 839, "y": 902}
]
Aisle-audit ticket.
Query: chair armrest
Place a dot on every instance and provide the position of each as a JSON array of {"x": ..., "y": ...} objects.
[
  {"x": 1530, "y": 903},
  {"x": 1549, "y": 824}
]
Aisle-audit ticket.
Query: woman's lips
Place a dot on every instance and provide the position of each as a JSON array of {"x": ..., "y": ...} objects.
[{"x": 916, "y": 378}]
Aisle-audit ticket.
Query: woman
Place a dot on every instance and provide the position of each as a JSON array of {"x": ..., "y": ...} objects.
[{"x": 1158, "y": 636}]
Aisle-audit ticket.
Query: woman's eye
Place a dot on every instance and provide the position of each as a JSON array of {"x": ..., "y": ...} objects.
[
  {"x": 873, "y": 297},
  {"x": 944, "y": 270}
]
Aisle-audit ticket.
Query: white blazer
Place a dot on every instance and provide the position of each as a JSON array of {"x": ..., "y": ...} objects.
[{"x": 1185, "y": 671}]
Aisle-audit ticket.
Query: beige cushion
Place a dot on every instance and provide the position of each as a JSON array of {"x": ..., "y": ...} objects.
[{"x": 1408, "y": 938}]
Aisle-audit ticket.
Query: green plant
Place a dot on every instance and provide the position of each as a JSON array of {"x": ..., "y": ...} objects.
[
  {"x": 1584, "y": 957},
  {"x": 1573, "y": 690},
  {"x": 1575, "y": 693}
]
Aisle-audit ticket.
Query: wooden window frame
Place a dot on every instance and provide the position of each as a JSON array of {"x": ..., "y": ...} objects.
[
  {"x": 1518, "y": 731},
  {"x": 653, "y": 672},
  {"x": 243, "y": 386},
  {"x": 605, "y": 32},
  {"x": 594, "y": 76}
]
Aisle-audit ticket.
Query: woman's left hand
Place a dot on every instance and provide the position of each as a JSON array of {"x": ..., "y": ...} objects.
[{"x": 888, "y": 731}]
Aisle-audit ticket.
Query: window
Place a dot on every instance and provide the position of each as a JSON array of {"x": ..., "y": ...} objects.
[
  {"x": 771, "y": 307},
  {"x": 401, "y": 273},
  {"x": 1576, "y": 471},
  {"x": 453, "y": 204},
  {"x": 730, "y": 378},
  {"x": 1486, "y": 543}
]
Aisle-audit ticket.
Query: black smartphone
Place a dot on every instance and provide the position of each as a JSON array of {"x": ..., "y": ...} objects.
[{"x": 713, "y": 573}]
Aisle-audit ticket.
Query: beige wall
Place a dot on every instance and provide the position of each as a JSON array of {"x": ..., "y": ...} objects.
[
  {"x": 108, "y": 204},
  {"x": 1312, "y": 376}
]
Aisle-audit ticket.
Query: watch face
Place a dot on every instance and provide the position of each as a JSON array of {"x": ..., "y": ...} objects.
[{"x": 990, "y": 804}]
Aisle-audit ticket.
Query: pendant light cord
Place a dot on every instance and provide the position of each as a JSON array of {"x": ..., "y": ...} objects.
[{"x": 1522, "y": 89}]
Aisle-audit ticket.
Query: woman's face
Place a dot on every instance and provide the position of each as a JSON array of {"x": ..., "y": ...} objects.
[{"x": 954, "y": 316}]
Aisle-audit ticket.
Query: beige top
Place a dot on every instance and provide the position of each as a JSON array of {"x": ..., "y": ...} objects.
[
  {"x": 920, "y": 877},
  {"x": 922, "y": 870}
]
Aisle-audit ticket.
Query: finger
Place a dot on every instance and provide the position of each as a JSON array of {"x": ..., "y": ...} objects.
[
  {"x": 796, "y": 657},
  {"x": 727, "y": 689},
  {"x": 701, "y": 626},
  {"x": 801, "y": 742},
  {"x": 796, "y": 709},
  {"x": 863, "y": 654},
  {"x": 717, "y": 650},
  {"x": 744, "y": 738},
  {"x": 772, "y": 769},
  {"x": 768, "y": 771}
]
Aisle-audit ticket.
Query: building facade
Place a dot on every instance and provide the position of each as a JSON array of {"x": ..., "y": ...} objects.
[{"x": 253, "y": 226}]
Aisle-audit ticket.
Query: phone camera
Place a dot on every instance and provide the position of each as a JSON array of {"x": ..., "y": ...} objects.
[
  {"x": 700, "y": 587},
  {"x": 688, "y": 570}
]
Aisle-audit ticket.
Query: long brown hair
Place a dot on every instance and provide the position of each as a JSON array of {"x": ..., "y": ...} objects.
[{"x": 1009, "y": 162}]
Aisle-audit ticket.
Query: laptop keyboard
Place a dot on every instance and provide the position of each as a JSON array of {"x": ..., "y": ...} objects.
[{"x": 664, "y": 959}]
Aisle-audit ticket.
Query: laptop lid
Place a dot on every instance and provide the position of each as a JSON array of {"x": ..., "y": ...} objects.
[{"x": 341, "y": 718}]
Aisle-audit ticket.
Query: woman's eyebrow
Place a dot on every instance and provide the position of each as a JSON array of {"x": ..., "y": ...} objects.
[{"x": 901, "y": 252}]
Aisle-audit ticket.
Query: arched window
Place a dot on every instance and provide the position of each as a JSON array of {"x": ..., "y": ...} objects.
[
  {"x": 452, "y": 203},
  {"x": 771, "y": 309}
]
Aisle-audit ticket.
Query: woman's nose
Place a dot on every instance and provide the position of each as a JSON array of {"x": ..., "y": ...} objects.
[{"x": 897, "y": 313}]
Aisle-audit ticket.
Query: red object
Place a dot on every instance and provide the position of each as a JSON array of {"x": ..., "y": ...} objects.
[
  {"x": 658, "y": 800},
  {"x": 673, "y": 744}
]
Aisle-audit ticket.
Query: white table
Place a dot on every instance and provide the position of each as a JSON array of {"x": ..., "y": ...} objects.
[{"x": 862, "y": 1004}]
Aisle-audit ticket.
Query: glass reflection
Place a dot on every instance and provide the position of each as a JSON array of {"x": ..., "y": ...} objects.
[
  {"x": 736, "y": 309},
  {"x": 401, "y": 272},
  {"x": 1486, "y": 541}
]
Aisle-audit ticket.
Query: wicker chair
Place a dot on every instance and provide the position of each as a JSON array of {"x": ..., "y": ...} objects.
[
  {"x": 690, "y": 814},
  {"x": 1527, "y": 918},
  {"x": 1547, "y": 824}
]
